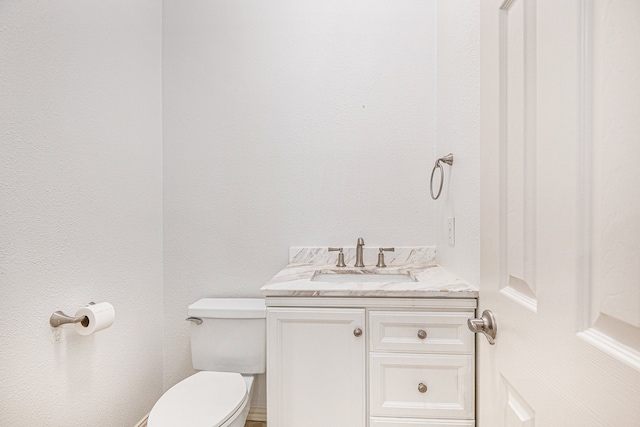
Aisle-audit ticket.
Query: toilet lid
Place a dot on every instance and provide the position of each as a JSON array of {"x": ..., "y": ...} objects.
[{"x": 205, "y": 399}]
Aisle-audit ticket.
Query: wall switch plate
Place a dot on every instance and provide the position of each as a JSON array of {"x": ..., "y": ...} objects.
[{"x": 451, "y": 230}]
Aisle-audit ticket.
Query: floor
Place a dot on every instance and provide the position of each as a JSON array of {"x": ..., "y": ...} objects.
[{"x": 255, "y": 424}]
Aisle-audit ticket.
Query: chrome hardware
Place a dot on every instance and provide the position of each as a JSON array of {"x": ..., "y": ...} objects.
[
  {"x": 340, "y": 256},
  {"x": 357, "y": 332},
  {"x": 381, "y": 263},
  {"x": 59, "y": 318},
  {"x": 422, "y": 388},
  {"x": 196, "y": 320},
  {"x": 448, "y": 159},
  {"x": 359, "y": 262},
  {"x": 486, "y": 324},
  {"x": 422, "y": 334}
]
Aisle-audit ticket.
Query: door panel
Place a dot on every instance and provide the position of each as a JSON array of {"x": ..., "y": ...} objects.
[
  {"x": 611, "y": 194},
  {"x": 560, "y": 211},
  {"x": 517, "y": 104}
]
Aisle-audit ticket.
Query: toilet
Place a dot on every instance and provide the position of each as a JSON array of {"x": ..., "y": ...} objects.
[{"x": 228, "y": 348}]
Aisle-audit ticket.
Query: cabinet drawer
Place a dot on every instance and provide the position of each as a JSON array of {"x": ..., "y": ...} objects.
[
  {"x": 408, "y": 422},
  {"x": 418, "y": 332},
  {"x": 395, "y": 386}
]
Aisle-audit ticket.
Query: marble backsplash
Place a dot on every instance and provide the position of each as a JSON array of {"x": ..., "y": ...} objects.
[{"x": 402, "y": 255}]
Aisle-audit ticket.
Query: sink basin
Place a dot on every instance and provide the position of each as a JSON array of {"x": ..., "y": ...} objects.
[{"x": 357, "y": 276}]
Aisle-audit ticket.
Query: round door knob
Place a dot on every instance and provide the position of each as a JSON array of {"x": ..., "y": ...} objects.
[
  {"x": 485, "y": 325},
  {"x": 357, "y": 332},
  {"x": 422, "y": 334},
  {"x": 422, "y": 388}
]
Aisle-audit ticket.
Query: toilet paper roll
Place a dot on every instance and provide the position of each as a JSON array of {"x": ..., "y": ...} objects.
[{"x": 96, "y": 318}]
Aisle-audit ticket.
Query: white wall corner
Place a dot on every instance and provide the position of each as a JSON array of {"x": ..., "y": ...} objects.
[{"x": 458, "y": 132}]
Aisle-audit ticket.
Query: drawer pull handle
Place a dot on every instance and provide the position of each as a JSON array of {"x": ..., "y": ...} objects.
[
  {"x": 422, "y": 388},
  {"x": 422, "y": 334},
  {"x": 357, "y": 332}
]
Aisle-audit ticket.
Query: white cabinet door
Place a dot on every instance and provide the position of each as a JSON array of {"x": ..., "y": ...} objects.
[
  {"x": 316, "y": 367},
  {"x": 560, "y": 213}
]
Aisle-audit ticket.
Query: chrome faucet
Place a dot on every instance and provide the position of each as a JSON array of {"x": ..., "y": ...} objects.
[{"x": 359, "y": 262}]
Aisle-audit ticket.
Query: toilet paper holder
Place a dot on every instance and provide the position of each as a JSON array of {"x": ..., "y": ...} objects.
[{"x": 59, "y": 318}]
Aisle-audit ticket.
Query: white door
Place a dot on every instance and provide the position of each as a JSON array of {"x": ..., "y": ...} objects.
[
  {"x": 560, "y": 123},
  {"x": 316, "y": 367}
]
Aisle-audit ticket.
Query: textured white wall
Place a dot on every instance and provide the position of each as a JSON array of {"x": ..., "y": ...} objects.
[
  {"x": 458, "y": 131},
  {"x": 80, "y": 209},
  {"x": 289, "y": 123},
  {"x": 312, "y": 123}
]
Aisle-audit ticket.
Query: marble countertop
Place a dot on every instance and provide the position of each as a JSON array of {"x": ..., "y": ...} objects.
[{"x": 432, "y": 280}]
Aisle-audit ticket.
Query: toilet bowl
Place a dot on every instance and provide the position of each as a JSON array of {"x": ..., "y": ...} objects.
[
  {"x": 228, "y": 346},
  {"x": 205, "y": 399}
]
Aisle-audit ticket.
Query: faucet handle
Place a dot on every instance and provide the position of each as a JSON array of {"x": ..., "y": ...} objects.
[
  {"x": 381, "y": 263},
  {"x": 340, "y": 256}
]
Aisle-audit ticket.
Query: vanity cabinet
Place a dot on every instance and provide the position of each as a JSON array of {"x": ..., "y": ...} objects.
[{"x": 376, "y": 362}]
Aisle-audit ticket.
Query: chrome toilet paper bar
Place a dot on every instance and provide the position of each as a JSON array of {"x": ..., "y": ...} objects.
[{"x": 59, "y": 318}]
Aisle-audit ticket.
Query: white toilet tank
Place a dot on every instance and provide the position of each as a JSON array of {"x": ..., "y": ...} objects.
[{"x": 232, "y": 336}]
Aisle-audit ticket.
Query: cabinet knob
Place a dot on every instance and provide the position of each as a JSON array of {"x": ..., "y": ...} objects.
[
  {"x": 422, "y": 388},
  {"x": 422, "y": 334},
  {"x": 357, "y": 332}
]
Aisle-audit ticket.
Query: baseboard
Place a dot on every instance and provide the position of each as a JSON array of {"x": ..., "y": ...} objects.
[{"x": 257, "y": 413}]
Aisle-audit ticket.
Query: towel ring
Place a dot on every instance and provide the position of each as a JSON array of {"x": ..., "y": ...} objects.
[{"x": 448, "y": 159}]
